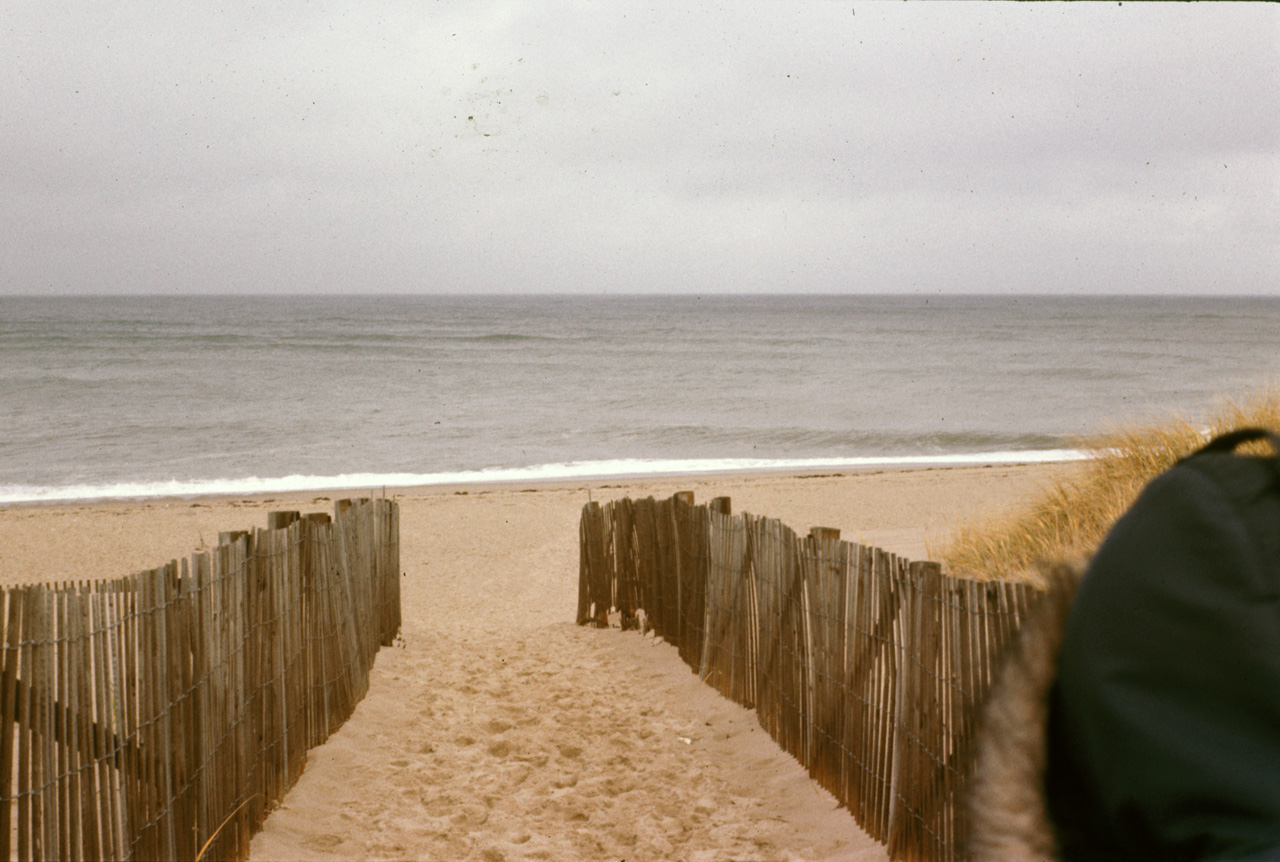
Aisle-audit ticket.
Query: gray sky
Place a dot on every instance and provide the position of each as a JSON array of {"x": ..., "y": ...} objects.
[{"x": 610, "y": 147}]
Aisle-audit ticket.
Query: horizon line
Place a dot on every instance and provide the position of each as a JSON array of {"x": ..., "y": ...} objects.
[{"x": 631, "y": 295}]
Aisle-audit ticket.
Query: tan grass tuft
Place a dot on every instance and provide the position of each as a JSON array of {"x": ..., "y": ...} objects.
[{"x": 1072, "y": 515}]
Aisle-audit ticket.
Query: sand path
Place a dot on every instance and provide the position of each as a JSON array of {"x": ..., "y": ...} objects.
[{"x": 499, "y": 731}]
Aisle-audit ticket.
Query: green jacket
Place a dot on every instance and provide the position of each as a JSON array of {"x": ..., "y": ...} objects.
[{"x": 1164, "y": 717}]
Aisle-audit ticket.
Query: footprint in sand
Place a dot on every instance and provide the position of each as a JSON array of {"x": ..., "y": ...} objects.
[{"x": 322, "y": 842}]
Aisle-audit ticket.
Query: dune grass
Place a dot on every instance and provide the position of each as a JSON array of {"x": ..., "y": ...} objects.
[{"x": 1072, "y": 515}]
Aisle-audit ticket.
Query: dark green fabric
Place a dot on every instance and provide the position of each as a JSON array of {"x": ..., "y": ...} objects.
[{"x": 1164, "y": 729}]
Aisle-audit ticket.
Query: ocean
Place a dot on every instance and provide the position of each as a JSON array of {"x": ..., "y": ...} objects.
[{"x": 132, "y": 397}]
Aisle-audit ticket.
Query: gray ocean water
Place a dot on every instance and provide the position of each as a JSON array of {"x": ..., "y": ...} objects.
[{"x": 137, "y": 396}]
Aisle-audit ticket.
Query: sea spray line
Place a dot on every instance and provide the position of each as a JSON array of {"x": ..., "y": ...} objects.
[{"x": 620, "y": 468}]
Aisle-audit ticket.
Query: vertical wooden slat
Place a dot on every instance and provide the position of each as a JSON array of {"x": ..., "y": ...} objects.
[
  {"x": 279, "y": 643},
  {"x": 228, "y": 694},
  {"x": 68, "y": 708},
  {"x": 226, "y": 575},
  {"x": 137, "y": 693},
  {"x": 858, "y": 670},
  {"x": 255, "y": 680},
  {"x": 779, "y": 654},
  {"x": 220, "y": 758},
  {"x": 84, "y": 841},
  {"x": 272, "y": 738},
  {"x": 165, "y": 668},
  {"x": 191, "y": 727},
  {"x": 802, "y": 653},
  {"x": 932, "y": 750},
  {"x": 243, "y": 585},
  {"x": 298, "y": 663},
  {"x": 878, "y": 626},
  {"x": 965, "y": 705},
  {"x": 177, "y": 834},
  {"x": 108, "y": 731},
  {"x": 317, "y": 572},
  {"x": 48, "y": 752},
  {"x": 83, "y": 671},
  {"x": 921, "y": 786},
  {"x": 122, "y": 706},
  {"x": 812, "y": 561},
  {"x": 880, "y": 621},
  {"x": 744, "y": 615},
  {"x": 751, "y": 597},
  {"x": 837, "y": 695},
  {"x": 149, "y": 712},
  {"x": 874, "y": 706},
  {"x": 584, "y": 565},
  {"x": 140, "y": 654},
  {"x": 952, "y": 738},
  {"x": 64, "y": 787},
  {"x": 28, "y": 768},
  {"x": 10, "y": 715},
  {"x": 902, "y": 832},
  {"x": 325, "y": 635},
  {"x": 201, "y": 708},
  {"x": 46, "y": 681},
  {"x": 26, "y": 765},
  {"x": 267, "y": 743},
  {"x": 288, "y": 658},
  {"x": 306, "y": 611},
  {"x": 891, "y": 686},
  {"x": 99, "y": 717}
]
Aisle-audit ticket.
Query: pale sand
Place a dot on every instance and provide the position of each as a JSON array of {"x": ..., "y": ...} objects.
[{"x": 497, "y": 729}]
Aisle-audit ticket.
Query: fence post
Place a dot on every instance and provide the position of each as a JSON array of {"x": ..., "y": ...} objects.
[
  {"x": 10, "y": 716},
  {"x": 281, "y": 520},
  {"x": 584, "y": 565},
  {"x": 716, "y": 588}
]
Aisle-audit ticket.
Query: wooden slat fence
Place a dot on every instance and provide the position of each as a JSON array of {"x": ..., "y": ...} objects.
[
  {"x": 865, "y": 666},
  {"x": 140, "y": 715}
]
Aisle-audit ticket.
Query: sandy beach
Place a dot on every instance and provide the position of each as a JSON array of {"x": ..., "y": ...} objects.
[{"x": 495, "y": 729}]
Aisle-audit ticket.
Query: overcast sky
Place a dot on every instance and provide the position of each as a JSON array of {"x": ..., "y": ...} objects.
[{"x": 612, "y": 147}]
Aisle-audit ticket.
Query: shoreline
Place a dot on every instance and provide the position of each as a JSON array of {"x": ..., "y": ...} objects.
[
  {"x": 47, "y": 541},
  {"x": 627, "y": 480},
  {"x": 628, "y": 470}
]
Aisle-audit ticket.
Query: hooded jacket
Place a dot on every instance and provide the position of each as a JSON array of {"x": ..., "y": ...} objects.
[{"x": 1137, "y": 717}]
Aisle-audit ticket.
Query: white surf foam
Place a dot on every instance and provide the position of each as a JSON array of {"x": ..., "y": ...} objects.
[{"x": 620, "y": 468}]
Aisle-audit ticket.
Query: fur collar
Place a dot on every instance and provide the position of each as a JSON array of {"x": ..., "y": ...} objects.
[{"x": 1008, "y": 816}]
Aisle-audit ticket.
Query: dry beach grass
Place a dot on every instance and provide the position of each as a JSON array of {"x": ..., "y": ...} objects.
[{"x": 1072, "y": 514}]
